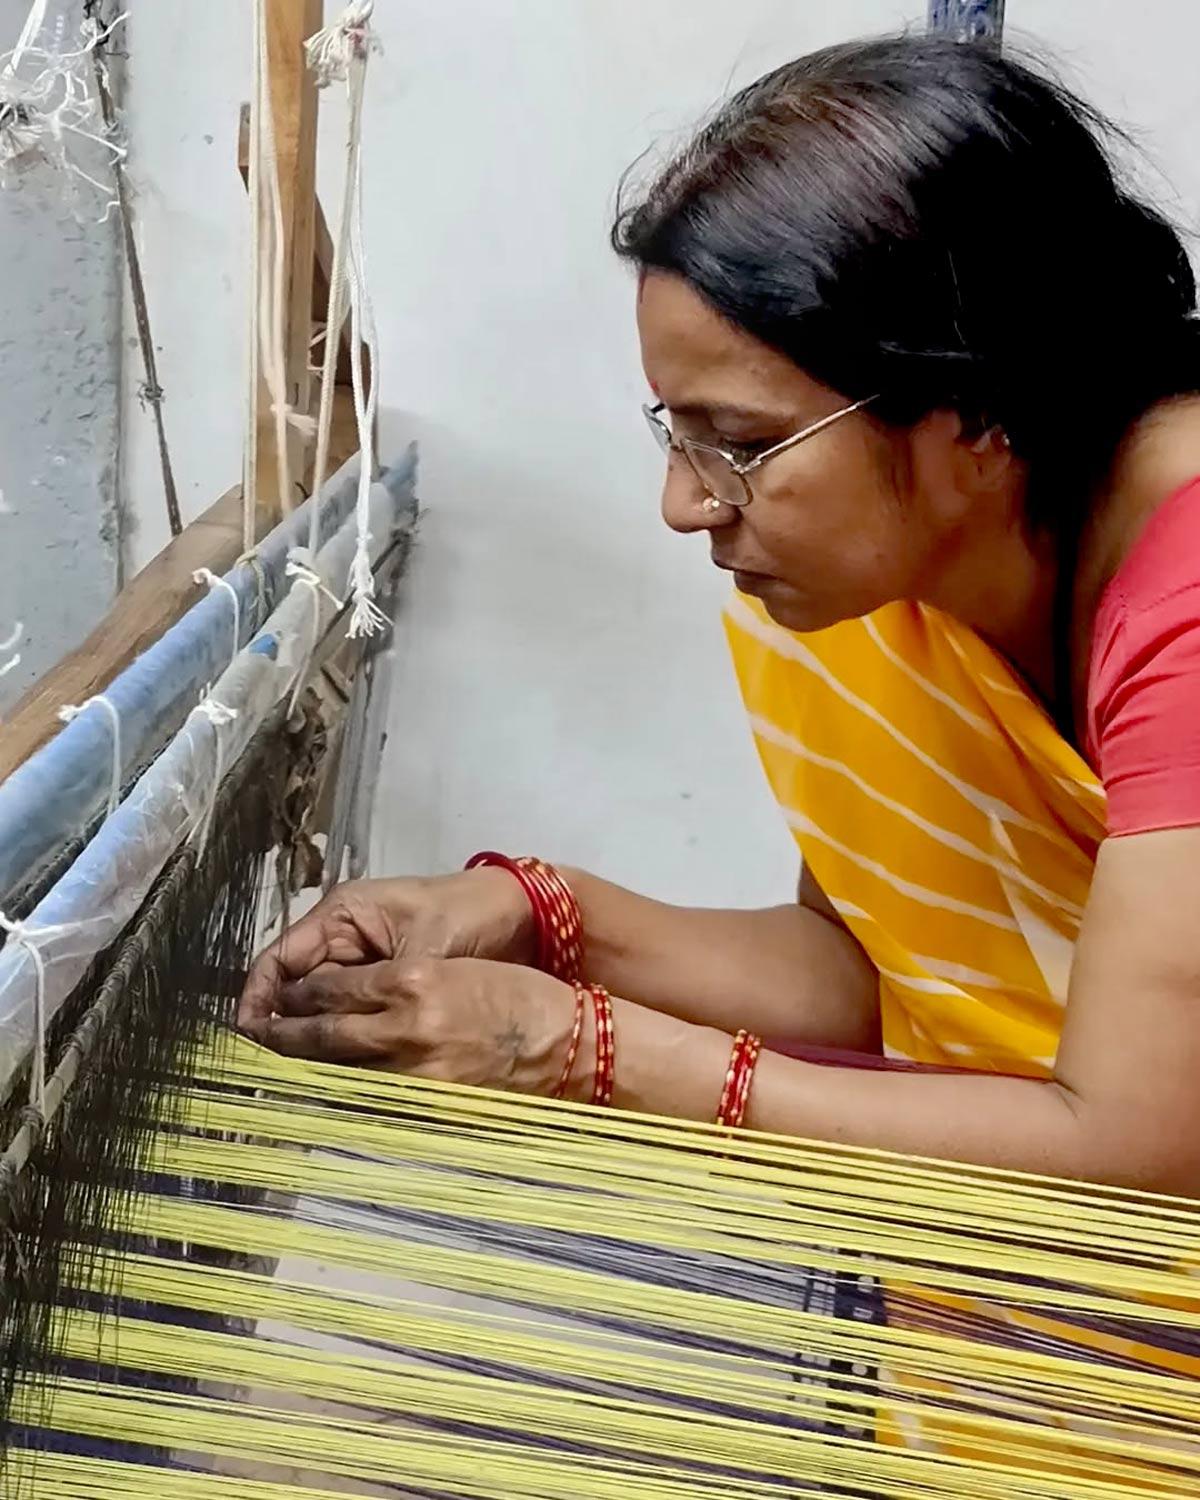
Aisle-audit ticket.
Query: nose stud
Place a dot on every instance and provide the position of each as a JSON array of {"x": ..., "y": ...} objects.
[{"x": 711, "y": 504}]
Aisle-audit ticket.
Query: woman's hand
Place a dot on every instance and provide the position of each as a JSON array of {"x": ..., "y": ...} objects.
[
  {"x": 476, "y": 914},
  {"x": 460, "y": 1020}
]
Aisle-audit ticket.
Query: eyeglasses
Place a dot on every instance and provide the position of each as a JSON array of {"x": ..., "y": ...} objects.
[{"x": 722, "y": 474}]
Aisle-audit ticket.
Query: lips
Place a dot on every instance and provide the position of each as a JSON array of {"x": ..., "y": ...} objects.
[{"x": 746, "y": 580}]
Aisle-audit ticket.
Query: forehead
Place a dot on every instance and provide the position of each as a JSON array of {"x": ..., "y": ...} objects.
[{"x": 695, "y": 357}]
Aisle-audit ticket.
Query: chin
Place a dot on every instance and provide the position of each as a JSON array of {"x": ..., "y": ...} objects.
[{"x": 804, "y": 616}]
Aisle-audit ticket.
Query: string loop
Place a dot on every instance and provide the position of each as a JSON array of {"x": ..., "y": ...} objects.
[
  {"x": 206, "y": 575},
  {"x": 69, "y": 712},
  {"x": 21, "y": 933}
]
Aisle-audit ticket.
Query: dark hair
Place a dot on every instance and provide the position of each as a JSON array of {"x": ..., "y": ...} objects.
[{"x": 942, "y": 224}]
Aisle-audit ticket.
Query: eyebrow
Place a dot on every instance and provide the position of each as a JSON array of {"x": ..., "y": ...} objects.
[{"x": 751, "y": 416}]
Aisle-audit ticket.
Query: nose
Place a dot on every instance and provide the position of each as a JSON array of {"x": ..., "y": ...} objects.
[{"x": 684, "y": 507}]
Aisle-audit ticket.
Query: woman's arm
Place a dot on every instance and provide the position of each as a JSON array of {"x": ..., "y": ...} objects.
[
  {"x": 791, "y": 972},
  {"x": 1123, "y": 1107}
]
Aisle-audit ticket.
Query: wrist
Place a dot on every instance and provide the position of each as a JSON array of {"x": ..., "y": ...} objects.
[
  {"x": 666, "y": 1066},
  {"x": 513, "y": 938}
]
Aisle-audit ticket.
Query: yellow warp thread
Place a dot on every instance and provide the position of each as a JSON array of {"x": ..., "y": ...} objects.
[{"x": 462, "y": 1207}]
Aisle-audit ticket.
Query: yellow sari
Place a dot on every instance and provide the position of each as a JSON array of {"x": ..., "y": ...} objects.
[
  {"x": 949, "y": 823},
  {"x": 955, "y": 832}
]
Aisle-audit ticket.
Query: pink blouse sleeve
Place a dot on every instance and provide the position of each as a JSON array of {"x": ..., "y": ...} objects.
[{"x": 1144, "y": 679}]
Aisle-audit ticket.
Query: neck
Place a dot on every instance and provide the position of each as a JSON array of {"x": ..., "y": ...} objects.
[{"x": 1004, "y": 586}]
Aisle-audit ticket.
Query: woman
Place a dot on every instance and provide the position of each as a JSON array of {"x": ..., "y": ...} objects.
[{"x": 924, "y": 373}]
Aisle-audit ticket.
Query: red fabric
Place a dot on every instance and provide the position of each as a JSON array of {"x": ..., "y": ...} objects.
[{"x": 1143, "y": 702}]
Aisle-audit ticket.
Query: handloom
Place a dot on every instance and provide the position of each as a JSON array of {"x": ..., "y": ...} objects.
[{"x": 230, "y": 1275}]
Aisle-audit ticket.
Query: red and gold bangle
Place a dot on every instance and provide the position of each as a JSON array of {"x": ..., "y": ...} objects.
[
  {"x": 581, "y": 998},
  {"x": 602, "y": 1090},
  {"x": 556, "y": 915},
  {"x": 739, "y": 1076}
]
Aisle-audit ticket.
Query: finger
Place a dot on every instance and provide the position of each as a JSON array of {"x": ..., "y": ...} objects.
[
  {"x": 354, "y": 991},
  {"x": 328, "y": 934},
  {"x": 327, "y": 1038}
]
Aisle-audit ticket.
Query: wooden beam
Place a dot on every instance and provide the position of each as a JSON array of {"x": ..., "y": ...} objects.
[
  {"x": 289, "y": 23},
  {"x": 146, "y": 607}
]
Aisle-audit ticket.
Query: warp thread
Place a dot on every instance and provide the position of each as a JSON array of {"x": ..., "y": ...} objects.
[{"x": 69, "y": 712}]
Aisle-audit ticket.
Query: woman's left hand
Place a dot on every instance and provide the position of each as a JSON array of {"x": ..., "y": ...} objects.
[{"x": 460, "y": 1020}]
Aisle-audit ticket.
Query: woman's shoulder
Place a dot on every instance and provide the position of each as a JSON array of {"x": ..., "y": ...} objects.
[
  {"x": 1143, "y": 728},
  {"x": 1151, "y": 498}
]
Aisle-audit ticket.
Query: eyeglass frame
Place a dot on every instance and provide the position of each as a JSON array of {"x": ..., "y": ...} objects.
[{"x": 669, "y": 443}]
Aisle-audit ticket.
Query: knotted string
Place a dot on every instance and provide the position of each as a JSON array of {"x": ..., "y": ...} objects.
[
  {"x": 19, "y": 932},
  {"x": 206, "y": 575},
  {"x": 69, "y": 712},
  {"x": 300, "y": 569},
  {"x": 219, "y": 715}
]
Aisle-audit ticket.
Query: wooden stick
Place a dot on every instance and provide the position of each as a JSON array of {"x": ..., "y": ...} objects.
[{"x": 145, "y": 609}]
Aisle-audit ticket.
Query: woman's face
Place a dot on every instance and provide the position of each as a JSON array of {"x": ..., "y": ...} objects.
[{"x": 852, "y": 518}]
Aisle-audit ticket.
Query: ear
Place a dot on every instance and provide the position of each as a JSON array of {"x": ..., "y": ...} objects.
[{"x": 955, "y": 465}]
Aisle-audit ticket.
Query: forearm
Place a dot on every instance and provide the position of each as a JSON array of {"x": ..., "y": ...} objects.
[
  {"x": 783, "y": 972},
  {"x": 665, "y": 1066}
]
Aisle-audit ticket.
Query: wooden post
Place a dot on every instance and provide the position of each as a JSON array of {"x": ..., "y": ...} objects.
[{"x": 289, "y": 23}]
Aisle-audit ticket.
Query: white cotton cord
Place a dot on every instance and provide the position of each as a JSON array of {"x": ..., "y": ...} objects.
[
  {"x": 47, "y": 99},
  {"x": 330, "y": 51},
  {"x": 253, "y": 372},
  {"x": 366, "y": 618},
  {"x": 340, "y": 53},
  {"x": 71, "y": 711},
  {"x": 19, "y": 932},
  {"x": 335, "y": 315},
  {"x": 268, "y": 282},
  {"x": 301, "y": 570},
  {"x": 272, "y": 315},
  {"x": 206, "y": 575},
  {"x": 219, "y": 715}
]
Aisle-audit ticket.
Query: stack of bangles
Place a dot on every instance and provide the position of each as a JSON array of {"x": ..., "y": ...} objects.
[{"x": 558, "y": 927}]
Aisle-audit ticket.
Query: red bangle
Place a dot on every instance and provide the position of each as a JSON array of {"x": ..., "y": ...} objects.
[
  {"x": 556, "y": 915},
  {"x": 735, "y": 1096},
  {"x": 581, "y": 996},
  {"x": 602, "y": 1089}
]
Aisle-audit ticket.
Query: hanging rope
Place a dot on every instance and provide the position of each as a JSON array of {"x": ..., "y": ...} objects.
[
  {"x": 340, "y": 53},
  {"x": 268, "y": 290}
]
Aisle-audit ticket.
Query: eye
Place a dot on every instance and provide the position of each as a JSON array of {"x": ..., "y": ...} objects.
[{"x": 743, "y": 452}]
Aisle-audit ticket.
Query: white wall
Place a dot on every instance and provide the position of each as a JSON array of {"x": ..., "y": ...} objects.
[
  {"x": 59, "y": 361},
  {"x": 562, "y": 682}
]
